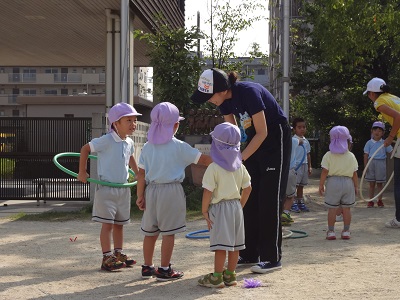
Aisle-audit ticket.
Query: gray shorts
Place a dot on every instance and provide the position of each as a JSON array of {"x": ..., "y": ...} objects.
[
  {"x": 376, "y": 171},
  {"x": 302, "y": 175},
  {"x": 112, "y": 205},
  {"x": 227, "y": 232},
  {"x": 291, "y": 185},
  {"x": 165, "y": 211},
  {"x": 339, "y": 191}
]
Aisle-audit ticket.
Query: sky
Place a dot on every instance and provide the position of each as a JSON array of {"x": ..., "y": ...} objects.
[{"x": 258, "y": 33}]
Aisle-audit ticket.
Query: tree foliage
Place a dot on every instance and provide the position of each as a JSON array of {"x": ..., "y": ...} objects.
[
  {"x": 176, "y": 68},
  {"x": 226, "y": 22},
  {"x": 339, "y": 46}
]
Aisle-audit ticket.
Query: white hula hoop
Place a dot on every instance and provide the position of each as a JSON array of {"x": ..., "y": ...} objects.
[
  {"x": 286, "y": 233},
  {"x": 365, "y": 170}
]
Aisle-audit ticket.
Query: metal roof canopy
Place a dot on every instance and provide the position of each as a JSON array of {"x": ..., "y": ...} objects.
[{"x": 63, "y": 32}]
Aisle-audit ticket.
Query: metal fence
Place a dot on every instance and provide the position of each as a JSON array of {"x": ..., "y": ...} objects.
[{"x": 27, "y": 148}]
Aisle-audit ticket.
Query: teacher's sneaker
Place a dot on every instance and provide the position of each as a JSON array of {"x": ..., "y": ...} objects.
[
  {"x": 211, "y": 281},
  {"x": 393, "y": 224},
  {"x": 265, "y": 267},
  {"x": 243, "y": 262},
  {"x": 380, "y": 203}
]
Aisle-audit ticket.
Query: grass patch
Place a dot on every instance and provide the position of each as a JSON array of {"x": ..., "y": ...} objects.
[
  {"x": 7, "y": 167},
  {"x": 193, "y": 209}
]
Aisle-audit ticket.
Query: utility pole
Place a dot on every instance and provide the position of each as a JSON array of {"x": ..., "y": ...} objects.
[{"x": 285, "y": 58}]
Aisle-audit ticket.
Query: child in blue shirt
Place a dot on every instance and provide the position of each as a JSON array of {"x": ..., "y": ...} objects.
[
  {"x": 305, "y": 169},
  {"x": 111, "y": 205},
  {"x": 160, "y": 194},
  {"x": 376, "y": 172}
]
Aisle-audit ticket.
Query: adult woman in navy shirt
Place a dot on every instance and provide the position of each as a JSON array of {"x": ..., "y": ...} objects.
[{"x": 267, "y": 135}]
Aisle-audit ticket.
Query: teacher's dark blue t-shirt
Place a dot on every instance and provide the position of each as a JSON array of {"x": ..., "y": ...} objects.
[{"x": 249, "y": 98}]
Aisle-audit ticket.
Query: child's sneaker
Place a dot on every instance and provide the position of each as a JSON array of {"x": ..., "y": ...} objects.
[
  {"x": 295, "y": 208},
  {"x": 286, "y": 218},
  {"x": 393, "y": 224},
  {"x": 111, "y": 263},
  {"x": 370, "y": 204},
  {"x": 211, "y": 281},
  {"x": 167, "y": 275},
  {"x": 331, "y": 235},
  {"x": 345, "y": 235},
  {"x": 302, "y": 206},
  {"x": 380, "y": 203},
  {"x": 230, "y": 279},
  {"x": 148, "y": 271},
  {"x": 124, "y": 258}
]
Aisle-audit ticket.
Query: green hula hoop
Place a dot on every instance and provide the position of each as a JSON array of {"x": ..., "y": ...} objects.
[{"x": 74, "y": 154}]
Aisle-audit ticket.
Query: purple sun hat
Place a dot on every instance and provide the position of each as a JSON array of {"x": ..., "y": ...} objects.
[
  {"x": 163, "y": 118},
  {"x": 225, "y": 146},
  {"x": 120, "y": 110},
  {"x": 339, "y": 136}
]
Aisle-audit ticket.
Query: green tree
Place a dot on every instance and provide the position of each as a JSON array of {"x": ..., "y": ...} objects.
[
  {"x": 339, "y": 46},
  {"x": 226, "y": 21},
  {"x": 176, "y": 68}
]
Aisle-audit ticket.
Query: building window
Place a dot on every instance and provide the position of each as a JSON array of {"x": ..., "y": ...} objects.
[
  {"x": 15, "y": 113},
  {"x": 1, "y": 113},
  {"x": 93, "y": 91},
  {"x": 68, "y": 115},
  {"x": 51, "y": 71},
  {"x": 94, "y": 70},
  {"x": 84, "y": 70},
  {"x": 64, "y": 92},
  {"x": 50, "y": 92},
  {"x": 74, "y": 92},
  {"x": 1, "y": 70},
  {"x": 261, "y": 71},
  {"x": 2, "y": 91},
  {"x": 29, "y": 92}
]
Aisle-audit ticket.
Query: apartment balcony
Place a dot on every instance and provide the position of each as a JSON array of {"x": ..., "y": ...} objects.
[{"x": 56, "y": 78}]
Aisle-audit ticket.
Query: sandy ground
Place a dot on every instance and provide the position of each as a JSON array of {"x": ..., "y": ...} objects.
[{"x": 39, "y": 261}]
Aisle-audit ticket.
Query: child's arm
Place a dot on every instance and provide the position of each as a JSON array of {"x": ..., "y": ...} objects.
[
  {"x": 324, "y": 174},
  {"x": 245, "y": 195},
  {"x": 355, "y": 181},
  {"x": 204, "y": 206},
  {"x": 83, "y": 175},
  {"x": 140, "y": 187},
  {"x": 309, "y": 163},
  {"x": 133, "y": 165},
  {"x": 204, "y": 160},
  {"x": 365, "y": 159}
]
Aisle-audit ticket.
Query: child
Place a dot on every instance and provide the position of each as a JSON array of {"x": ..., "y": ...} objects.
[
  {"x": 222, "y": 203},
  {"x": 299, "y": 127},
  {"x": 339, "y": 170},
  {"x": 286, "y": 218},
  {"x": 376, "y": 172},
  {"x": 160, "y": 194},
  {"x": 339, "y": 211},
  {"x": 111, "y": 205}
]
